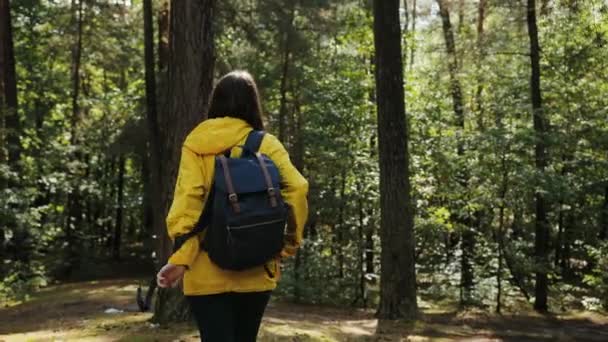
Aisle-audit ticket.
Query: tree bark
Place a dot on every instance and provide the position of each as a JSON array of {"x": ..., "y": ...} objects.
[
  {"x": 398, "y": 277},
  {"x": 468, "y": 233},
  {"x": 8, "y": 89},
  {"x": 540, "y": 128},
  {"x": 189, "y": 84}
]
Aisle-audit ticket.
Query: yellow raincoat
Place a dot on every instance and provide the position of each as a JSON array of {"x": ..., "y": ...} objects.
[{"x": 194, "y": 180}]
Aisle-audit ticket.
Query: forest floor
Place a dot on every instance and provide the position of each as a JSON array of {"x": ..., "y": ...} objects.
[{"x": 77, "y": 312}]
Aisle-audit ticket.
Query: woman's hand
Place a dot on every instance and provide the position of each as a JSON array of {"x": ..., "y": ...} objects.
[{"x": 170, "y": 275}]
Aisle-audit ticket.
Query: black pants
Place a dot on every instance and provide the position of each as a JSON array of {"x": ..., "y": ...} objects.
[{"x": 229, "y": 317}]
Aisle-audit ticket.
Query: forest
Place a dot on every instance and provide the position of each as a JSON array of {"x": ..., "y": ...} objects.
[{"x": 456, "y": 151}]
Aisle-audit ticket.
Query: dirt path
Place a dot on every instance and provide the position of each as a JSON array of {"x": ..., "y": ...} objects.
[{"x": 76, "y": 312}]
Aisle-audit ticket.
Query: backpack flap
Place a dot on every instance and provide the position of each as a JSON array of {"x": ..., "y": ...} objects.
[{"x": 246, "y": 174}]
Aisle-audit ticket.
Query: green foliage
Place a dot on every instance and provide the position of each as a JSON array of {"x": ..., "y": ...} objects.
[{"x": 313, "y": 61}]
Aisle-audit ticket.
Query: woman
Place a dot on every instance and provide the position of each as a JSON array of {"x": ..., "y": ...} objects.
[{"x": 227, "y": 305}]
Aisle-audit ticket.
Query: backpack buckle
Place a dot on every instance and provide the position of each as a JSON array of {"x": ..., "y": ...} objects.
[
  {"x": 273, "y": 197},
  {"x": 234, "y": 202}
]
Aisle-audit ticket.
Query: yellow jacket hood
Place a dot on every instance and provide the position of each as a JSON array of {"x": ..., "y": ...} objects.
[{"x": 214, "y": 136}]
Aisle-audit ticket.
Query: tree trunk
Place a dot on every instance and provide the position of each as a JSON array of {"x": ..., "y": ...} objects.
[
  {"x": 74, "y": 205},
  {"x": 8, "y": 89},
  {"x": 287, "y": 34},
  {"x": 468, "y": 233},
  {"x": 413, "y": 44},
  {"x": 163, "y": 35},
  {"x": 117, "y": 236},
  {"x": 398, "y": 275},
  {"x": 190, "y": 79},
  {"x": 152, "y": 166},
  {"x": 340, "y": 231},
  {"x": 10, "y": 146},
  {"x": 501, "y": 229},
  {"x": 481, "y": 16},
  {"x": 361, "y": 243},
  {"x": 540, "y": 127},
  {"x": 604, "y": 217}
]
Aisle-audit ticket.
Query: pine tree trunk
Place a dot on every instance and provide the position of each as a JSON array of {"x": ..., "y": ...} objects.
[
  {"x": 540, "y": 127},
  {"x": 468, "y": 233},
  {"x": 190, "y": 76},
  {"x": 8, "y": 89},
  {"x": 398, "y": 277}
]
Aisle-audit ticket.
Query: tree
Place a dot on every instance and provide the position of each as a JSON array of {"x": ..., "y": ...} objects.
[
  {"x": 8, "y": 87},
  {"x": 468, "y": 234},
  {"x": 540, "y": 155},
  {"x": 9, "y": 116},
  {"x": 189, "y": 83},
  {"x": 398, "y": 279},
  {"x": 153, "y": 157}
]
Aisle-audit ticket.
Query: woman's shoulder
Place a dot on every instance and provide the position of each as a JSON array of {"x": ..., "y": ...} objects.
[{"x": 270, "y": 143}]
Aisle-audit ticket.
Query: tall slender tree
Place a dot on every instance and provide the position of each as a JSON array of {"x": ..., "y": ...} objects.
[
  {"x": 468, "y": 234},
  {"x": 541, "y": 247},
  {"x": 398, "y": 275}
]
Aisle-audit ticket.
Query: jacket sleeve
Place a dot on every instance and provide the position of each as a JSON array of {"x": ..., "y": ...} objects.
[
  {"x": 294, "y": 189},
  {"x": 187, "y": 206}
]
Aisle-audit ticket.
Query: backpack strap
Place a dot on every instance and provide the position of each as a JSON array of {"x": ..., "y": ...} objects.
[
  {"x": 254, "y": 140},
  {"x": 203, "y": 221}
]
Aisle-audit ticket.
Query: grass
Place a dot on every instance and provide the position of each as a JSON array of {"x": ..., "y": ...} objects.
[{"x": 76, "y": 312}]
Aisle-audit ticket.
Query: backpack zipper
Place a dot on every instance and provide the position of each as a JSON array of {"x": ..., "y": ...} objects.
[{"x": 254, "y": 224}]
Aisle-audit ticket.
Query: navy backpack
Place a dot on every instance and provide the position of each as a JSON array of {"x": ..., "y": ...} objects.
[{"x": 245, "y": 215}]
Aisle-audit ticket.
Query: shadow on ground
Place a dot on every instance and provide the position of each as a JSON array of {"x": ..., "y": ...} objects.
[{"x": 75, "y": 312}]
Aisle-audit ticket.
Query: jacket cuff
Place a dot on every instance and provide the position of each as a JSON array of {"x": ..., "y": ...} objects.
[{"x": 186, "y": 254}]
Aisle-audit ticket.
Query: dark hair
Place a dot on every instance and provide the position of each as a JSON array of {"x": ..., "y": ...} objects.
[{"x": 236, "y": 95}]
